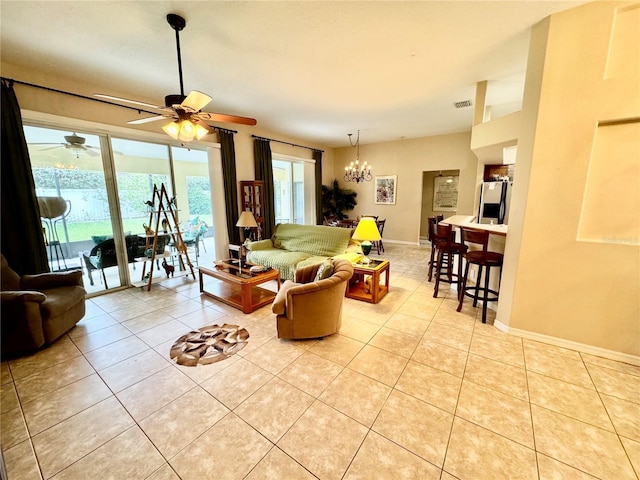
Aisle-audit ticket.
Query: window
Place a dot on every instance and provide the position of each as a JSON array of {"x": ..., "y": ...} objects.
[
  {"x": 139, "y": 165},
  {"x": 294, "y": 186},
  {"x": 193, "y": 190}
]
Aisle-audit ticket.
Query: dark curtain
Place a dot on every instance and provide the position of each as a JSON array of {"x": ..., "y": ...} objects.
[
  {"x": 21, "y": 237},
  {"x": 264, "y": 172},
  {"x": 228, "y": 152},
  {"x": 317, "y": 156}
]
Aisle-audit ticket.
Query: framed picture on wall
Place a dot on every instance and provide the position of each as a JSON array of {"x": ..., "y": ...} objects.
[
  {"x": 445, "y": 194},
  {"x": 386, "y": 188}
]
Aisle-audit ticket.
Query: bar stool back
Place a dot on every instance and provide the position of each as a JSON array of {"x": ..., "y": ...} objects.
[
  {"x": 432, "y": 234},
  {"x": 447, "y": 249},
  {"x": 485, "y": 260}
]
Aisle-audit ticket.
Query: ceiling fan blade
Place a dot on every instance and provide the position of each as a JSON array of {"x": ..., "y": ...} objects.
[
  {"x": 195, "y": 101},
  {"x": 223, "y": 117},
  {"x": 147, "y": 119},
  {"x": 125, "y": 100},
  {"x": 57, "y": 145}
]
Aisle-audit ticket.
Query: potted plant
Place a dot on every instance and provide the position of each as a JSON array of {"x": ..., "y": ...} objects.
[{"x": 336, "y": 201}]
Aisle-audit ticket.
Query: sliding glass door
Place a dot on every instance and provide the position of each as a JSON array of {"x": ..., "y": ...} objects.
[
  {"x": 83, "y": 210},
  {"x": 68, "y": 172}
]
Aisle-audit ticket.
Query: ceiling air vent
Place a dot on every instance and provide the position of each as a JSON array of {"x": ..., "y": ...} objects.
[{"x": 463, "y": 104}]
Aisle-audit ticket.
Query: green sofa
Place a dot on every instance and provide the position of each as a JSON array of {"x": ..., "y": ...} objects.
[{"x": 293, "y": 246}]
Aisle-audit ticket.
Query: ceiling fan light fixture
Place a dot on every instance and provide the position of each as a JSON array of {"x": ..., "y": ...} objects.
[
  {"x": 185, "y": 130},
  {"x": 200, "y": 131},
  {"x": 172, "y": 129}
]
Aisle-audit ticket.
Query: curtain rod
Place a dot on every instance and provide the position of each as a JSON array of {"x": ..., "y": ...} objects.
[
  {"x": 135, "y": 109},
  {"x": 286, "y": 143}
]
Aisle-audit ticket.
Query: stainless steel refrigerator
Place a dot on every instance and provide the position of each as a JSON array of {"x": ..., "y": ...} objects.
[{"x": 494, "y": 202}]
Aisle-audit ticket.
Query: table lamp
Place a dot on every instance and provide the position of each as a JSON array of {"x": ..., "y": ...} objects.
[
  {"x": 247, "y": 221},
  {"x": 366, "y": 232}
]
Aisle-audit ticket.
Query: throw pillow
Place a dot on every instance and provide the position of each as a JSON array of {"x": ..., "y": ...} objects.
[
  {"x": 325, "y": 270},
  {"x": 100, "y": 238}
]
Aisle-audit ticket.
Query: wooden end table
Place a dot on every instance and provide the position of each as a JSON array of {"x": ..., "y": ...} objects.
[
  {"x": 357, "y": 288},
  {"x": 237, "y": 286}
]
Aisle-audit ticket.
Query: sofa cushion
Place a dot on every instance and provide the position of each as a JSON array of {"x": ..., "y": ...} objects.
[
  {"x": 59, "y": 300},
  {"x": 325, "y": 270},
  {"x": 313, "y": 239},
  {"x": 279, "y": 259}
]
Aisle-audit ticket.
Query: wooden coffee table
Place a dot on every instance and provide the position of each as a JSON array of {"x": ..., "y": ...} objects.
[{"x": 237, "y": 286}]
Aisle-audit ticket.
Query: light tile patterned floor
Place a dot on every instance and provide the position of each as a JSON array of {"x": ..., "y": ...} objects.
[{"x": 409, "y": 389}]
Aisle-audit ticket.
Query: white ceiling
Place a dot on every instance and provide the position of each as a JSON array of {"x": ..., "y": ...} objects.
[{"x": 311, "y": 70}]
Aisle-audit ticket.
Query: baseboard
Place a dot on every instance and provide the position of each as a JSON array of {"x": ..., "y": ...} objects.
[
  {"x": 569, "y": 344},
  {"x": 402, "y": 242}
]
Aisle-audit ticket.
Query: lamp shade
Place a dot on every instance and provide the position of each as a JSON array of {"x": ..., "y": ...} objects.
[
  {"x": 246, "y": 220},
  {"x": 367, "y": 230}
]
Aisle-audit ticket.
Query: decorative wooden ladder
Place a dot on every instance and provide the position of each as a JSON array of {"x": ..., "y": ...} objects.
[{"x": 162, "y": 207}]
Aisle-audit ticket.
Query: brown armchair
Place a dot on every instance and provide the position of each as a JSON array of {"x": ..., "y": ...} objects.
[
  {"x": 38, "y": 309},
  {"x": 307, "y": 308}
]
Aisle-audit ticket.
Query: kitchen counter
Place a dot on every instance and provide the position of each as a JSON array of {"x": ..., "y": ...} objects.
[
  {"x": 496, "y": 244},
  {"x": 468, "y": 221}
]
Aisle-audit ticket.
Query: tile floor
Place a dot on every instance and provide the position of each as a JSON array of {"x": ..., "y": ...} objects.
[{"x": 409, "y": 389}]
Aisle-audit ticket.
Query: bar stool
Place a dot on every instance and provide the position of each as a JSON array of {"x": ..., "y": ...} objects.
[
  {"x": 447, "y": 249},
  {"x": 485, "y": 260},
  {"x": 432, "y": 234}
]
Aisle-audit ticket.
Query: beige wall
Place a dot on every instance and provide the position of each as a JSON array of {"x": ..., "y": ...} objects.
[
  {"x": 408, "y": 159},
  {"x": 555, "y": 282}
]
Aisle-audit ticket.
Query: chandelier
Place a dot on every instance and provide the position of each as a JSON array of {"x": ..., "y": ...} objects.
[{"x": 356, "y": 172}]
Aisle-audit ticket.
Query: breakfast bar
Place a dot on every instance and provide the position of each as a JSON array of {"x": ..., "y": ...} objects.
[
  {"x": 498, "y": 235},
  {"x": 497, "y": 240}
]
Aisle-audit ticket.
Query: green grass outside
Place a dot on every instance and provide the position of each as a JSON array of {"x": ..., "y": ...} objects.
[{"x": 80, "y": 231}]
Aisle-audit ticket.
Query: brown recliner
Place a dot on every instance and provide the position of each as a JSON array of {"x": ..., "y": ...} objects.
[
  {"x": 307, "y": 308},
  {"x": 38, "y": 309}
]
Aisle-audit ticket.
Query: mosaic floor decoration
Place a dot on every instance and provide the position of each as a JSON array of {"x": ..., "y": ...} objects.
[{"x": 209, "y": 344}]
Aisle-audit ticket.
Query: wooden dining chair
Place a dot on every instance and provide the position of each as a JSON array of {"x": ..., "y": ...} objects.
[{"x": 379, "y": 245}]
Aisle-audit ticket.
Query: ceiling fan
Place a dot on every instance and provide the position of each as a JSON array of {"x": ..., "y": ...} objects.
[
  {"x": 75, "y": 143},
  {"x": 189, "y": 121}
]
